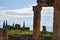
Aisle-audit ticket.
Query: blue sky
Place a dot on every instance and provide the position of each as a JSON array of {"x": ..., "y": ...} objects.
[
  {"x": 13, "y": 4},
  {"x": 18, "y": 11}
]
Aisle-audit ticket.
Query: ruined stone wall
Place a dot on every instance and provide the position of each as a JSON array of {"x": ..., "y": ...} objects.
[
  {"x": 28, "y": 37},
  {"x": 20, "y": 37},
  {"x": 24, "y": 37}
]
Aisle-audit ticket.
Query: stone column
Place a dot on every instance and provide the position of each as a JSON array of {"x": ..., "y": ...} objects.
[
  {"x": 44, "y": 28},
  {"x": 56, "y": 26},
  {"x": 4, "y": 34},
  {"x": 36, "y": 23}
]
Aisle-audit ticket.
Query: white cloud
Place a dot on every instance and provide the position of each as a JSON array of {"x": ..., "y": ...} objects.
[
  {"x": 4, "y": 18},
  {"x": 47, "y": 11},
  {"x": 23, "y": 12},
  {"x": 16, "y": 13},
  {"x": 32, "y": 5},
  {"x": 29, "y": 5}
]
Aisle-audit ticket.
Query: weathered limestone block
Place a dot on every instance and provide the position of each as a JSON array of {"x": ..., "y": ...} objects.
[{"x": 4, "y": 34}]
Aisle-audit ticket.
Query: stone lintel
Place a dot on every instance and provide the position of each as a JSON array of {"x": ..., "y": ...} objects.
[{"x": 44, "y": 3}]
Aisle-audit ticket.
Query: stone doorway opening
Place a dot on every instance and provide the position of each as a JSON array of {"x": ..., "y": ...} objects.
[{"x": 47, "y": 16}]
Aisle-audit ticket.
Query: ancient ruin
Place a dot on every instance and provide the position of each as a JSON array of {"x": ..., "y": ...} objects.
[
  {"x": 44, "y": 28},
  {"x": 36, "y": 24},
  {"x": 15, "y": 26},
  {"x": 4, "y": 34},
  {"x": 37, "y": 17}
]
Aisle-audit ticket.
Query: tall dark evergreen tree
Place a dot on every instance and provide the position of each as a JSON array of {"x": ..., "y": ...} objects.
[
  {"x": 4, "y": 24},
  {"x": 13, "y": 25},
  {"x": 24, "y": 24}
]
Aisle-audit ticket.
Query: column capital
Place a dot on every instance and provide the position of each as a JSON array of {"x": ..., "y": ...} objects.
[{"x": 35, "y": 8}]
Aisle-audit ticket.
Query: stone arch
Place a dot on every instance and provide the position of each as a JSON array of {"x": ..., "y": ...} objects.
[{"x": 37, "y": 17}]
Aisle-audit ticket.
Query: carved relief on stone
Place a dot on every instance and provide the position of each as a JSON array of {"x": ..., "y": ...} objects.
[{"x": 50, "y": 2}]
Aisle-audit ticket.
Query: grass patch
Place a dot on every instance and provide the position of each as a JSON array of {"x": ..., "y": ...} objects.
[
  {"x": 46, "y": 33},
  {"x": 19, "y": 32}
]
